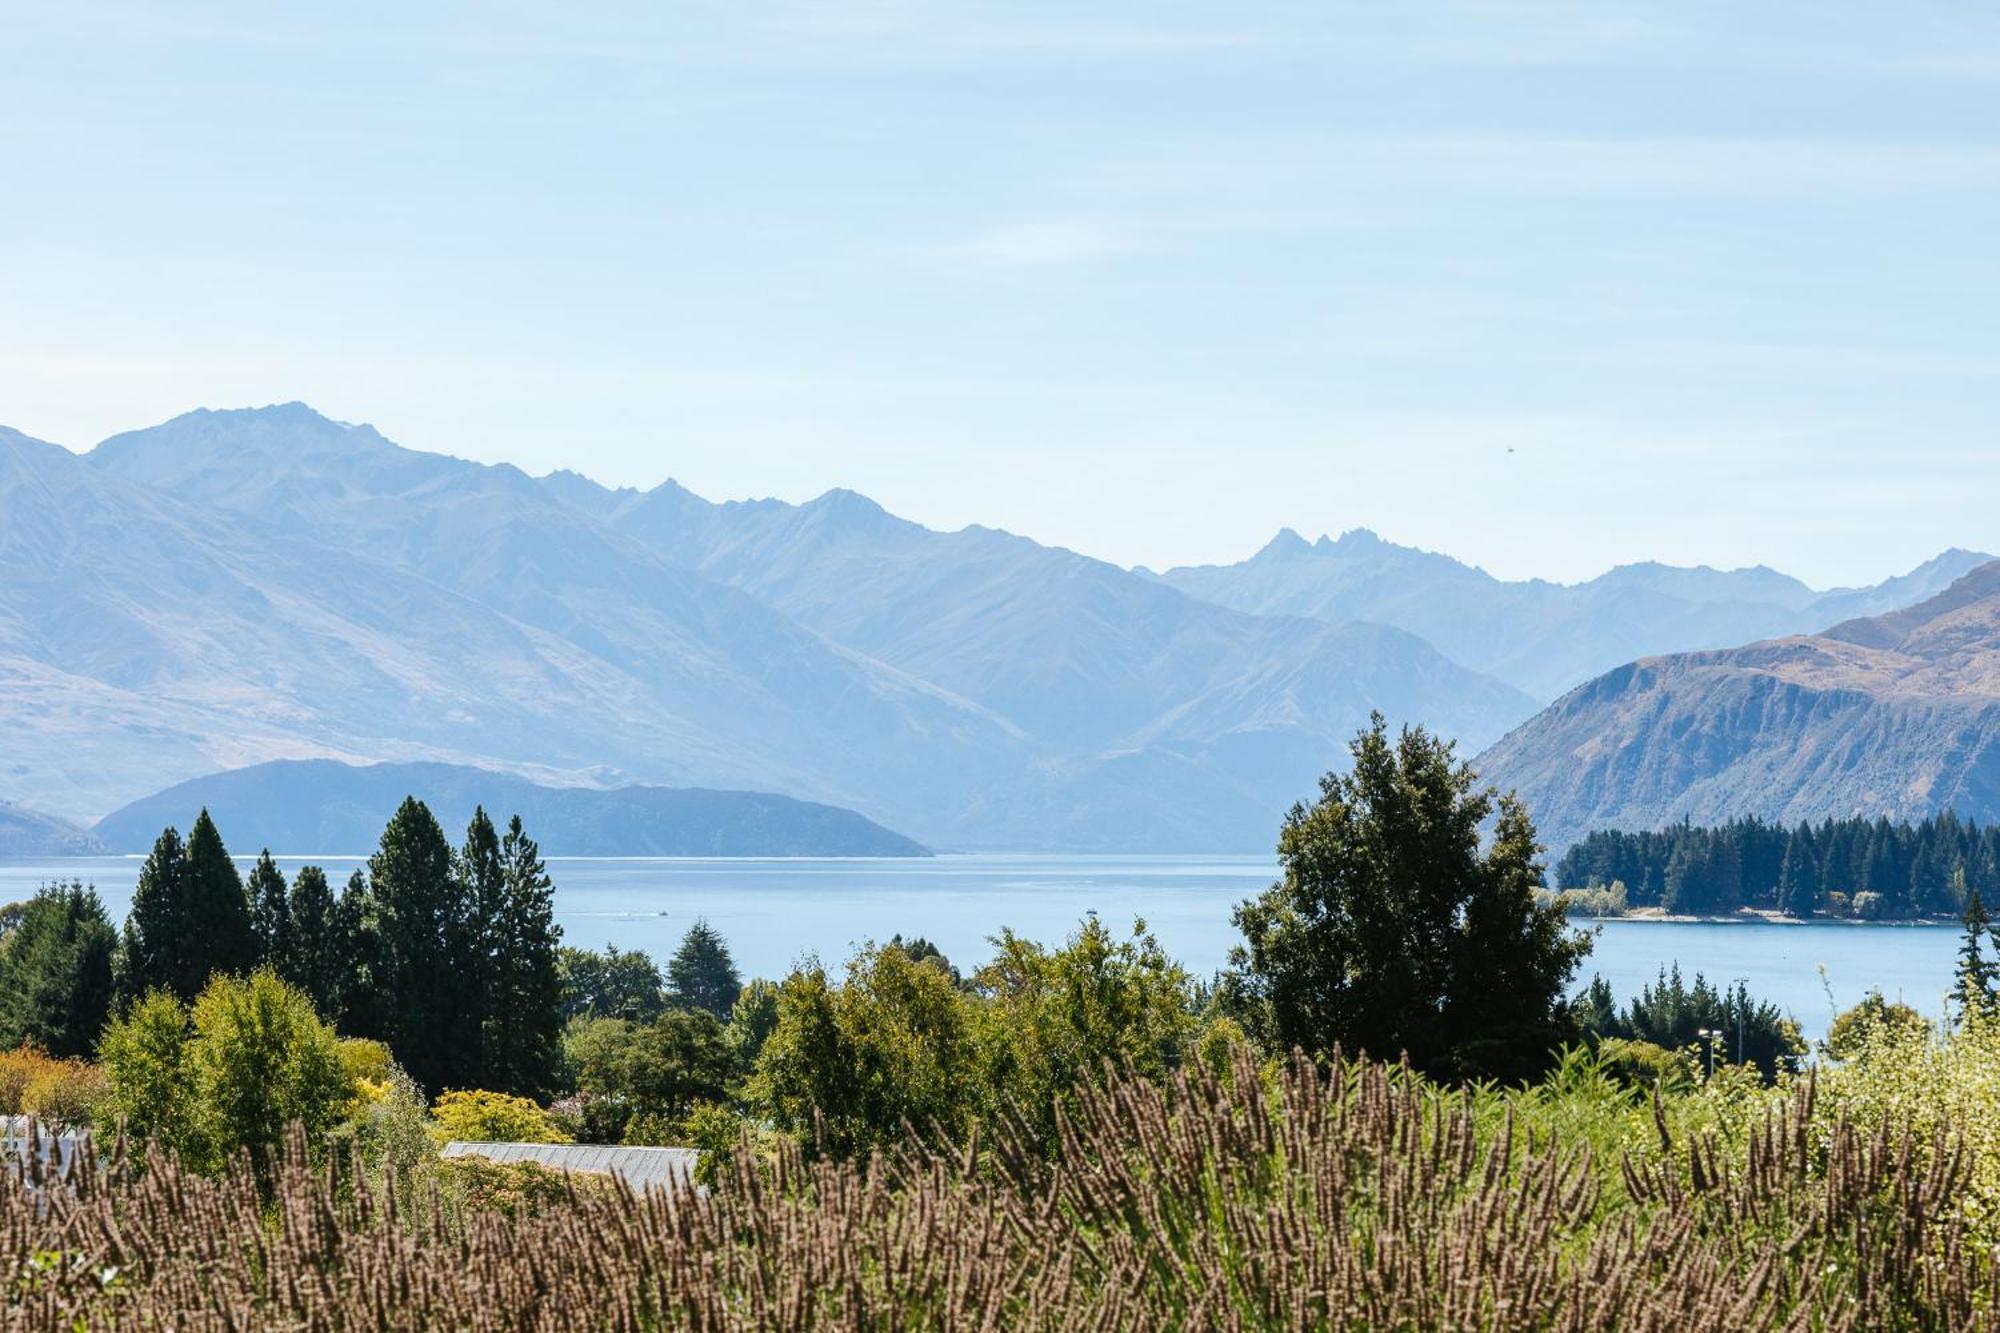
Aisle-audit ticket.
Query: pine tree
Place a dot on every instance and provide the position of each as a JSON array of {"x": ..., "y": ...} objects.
[
  {"x": 320, "y": 960},
  {"x": 481, "y": 886},
  {"x": 55, "y": 972},
  {"x": 1976, "y": 972},
  {"x": 153, "y": 927},
  {"x": 189, "y": 917},
  {"x": 702, "y": 974},
  {"x": 430, "y": 1014},
  {"x": 270, "y": 912},
  {"x": 1798, "y": 881},
  {"x": 218, "y": 909},
  {"x": 522, "y": 1034},
  {"x": 364, "y": 1003}
]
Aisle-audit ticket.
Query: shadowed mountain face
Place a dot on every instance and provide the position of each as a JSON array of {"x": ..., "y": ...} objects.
[
  {"x": 1895, "y": 715},
  {"x": 233, "y": 587},
  {"x": 317, "y": 807},
  {"x": 1537, "y": 636}
]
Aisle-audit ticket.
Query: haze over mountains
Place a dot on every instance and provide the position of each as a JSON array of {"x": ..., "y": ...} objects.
[
  {"x": 239, "y": 586},
  {"x": 1544, "y": 637},
  {"x": 315, "y": 807}
]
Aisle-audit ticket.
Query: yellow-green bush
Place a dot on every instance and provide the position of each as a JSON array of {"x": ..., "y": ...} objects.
[{"x": 478, "y": 1116}]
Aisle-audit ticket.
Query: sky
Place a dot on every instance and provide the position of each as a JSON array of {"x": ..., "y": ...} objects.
[{"x": 1549, "y": 287}]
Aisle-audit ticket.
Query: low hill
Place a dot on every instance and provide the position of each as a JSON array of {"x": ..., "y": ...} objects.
[
  {"x": 25, "y": 833},
  {"x": 319, "y": 807},
  {"x": 1895, "y": 715}
]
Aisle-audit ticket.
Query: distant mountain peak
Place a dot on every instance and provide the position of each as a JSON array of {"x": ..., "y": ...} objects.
[{"x": 1286, "y": 545}]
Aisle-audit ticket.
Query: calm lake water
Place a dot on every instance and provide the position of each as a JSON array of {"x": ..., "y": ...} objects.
[{"x": 775, "y": 912}]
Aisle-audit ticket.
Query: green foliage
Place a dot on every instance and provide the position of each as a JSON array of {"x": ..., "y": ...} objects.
[
  {"x": 1924, "y": 869},
  {"x": 513, "y": 1190},
  {"x": 56, "y": 972},
  {"x": 189, "y": 919},
  {"x": 1057, "y": 1019},
  {"x": 317, "y": 955},
  {"x": 521, "y": 1036},
  {"x": 702, "y": 975},
  {"x": 1391, "y": 932},
  {"x": 479, "y": 1116},
  {"x": 153, "y": 1089},
  {"x": 422, "y": 924},
  {"x": 611, "y": 984},
  {"x": 751, "y": 1022},
  {"x": 1671, "y": 1014},
  {"x": 270, "y": 911},
  {"x": 250, "y": 1058},
  {"x": 1854, "y": 1031},
  {"x": 1976, "y": 974},
  {"x": 922, "y": 950},
  {"x": 1596, "y": 902},
  {"x": 647, "y": 1077},
  {"x": 849, "y": 1066}
]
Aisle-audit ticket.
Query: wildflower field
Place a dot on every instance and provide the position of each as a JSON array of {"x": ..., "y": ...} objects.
[{"x": 1339, "y": 1195}]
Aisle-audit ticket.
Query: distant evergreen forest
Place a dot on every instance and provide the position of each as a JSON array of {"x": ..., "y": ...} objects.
[{"x": 1871, "y": 869}]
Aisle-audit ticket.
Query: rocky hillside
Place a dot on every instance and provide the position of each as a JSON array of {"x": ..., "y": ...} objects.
[{"x": 1895, "y": 715}]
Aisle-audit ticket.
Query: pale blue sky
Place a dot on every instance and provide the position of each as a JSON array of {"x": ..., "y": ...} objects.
[{"x": 1147, "y": 279}]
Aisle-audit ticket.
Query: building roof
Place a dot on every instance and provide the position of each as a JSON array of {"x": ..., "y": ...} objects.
[{"x": 665, "y": 1168}]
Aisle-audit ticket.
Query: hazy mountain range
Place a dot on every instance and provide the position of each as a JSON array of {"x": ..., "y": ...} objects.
[
  {"x": 1895, "y": 715},
  {"x": 316, "y": 807},
  {"x": 240, "y": 586},
  {"x": 1543, "y": 637}
]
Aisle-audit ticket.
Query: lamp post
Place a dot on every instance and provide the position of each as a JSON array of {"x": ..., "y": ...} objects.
[
  {"x": 1709, "y": 1037},
  {"x": 1741, "y": 985}
]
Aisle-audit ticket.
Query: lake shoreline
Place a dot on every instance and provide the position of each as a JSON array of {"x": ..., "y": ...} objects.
[{"x": 1757, "y": 916}]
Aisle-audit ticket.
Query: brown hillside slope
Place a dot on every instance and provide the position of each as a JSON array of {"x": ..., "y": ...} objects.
[{"x": 1895, "y": 715}]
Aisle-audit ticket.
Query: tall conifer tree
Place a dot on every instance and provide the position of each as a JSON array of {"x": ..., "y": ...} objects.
[
  {"x": 270, "y": 912},
  {"x": 364, "y": 1001},
  {"x": 523, "y": 1025},
  {"x": 431, "y": 1012},
  {"x": 1976, "y": 971},
  {"x": 189, "y": 919},
  {"x": 702, "y": 974},
  {"x": 320, "y": 958}
]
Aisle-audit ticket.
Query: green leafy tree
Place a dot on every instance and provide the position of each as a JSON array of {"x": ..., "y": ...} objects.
[
  {"x": 479, "y": 1116},
  {"x": 190, "y": 918},
  {"x": 1857, "y": 1031},
  {"x": 1392, "y": 933},
  {"x": 270, "y": 910},
  {"x": 55, "y": 972},
  {"x": 848, "y": 1066},
  {"x": 230, "y": 1073},
  {"x": 752, "y": 1021},
  {"x": 702, "y": 975},
  {"x": 153, "y": 1089},
  {"x": 639, "y": 1081},
  {"x": 1057, "y": 1019},
  {"x": 613, "y": 984},
  {"x": 263, "y": 1060},
  {"x": 432, "y": 1006},
  {"x": 522, "y": 1040}
]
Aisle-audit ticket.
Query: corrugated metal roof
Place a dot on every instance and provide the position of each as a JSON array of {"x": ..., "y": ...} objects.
[{"x": 667, "y": 1168}]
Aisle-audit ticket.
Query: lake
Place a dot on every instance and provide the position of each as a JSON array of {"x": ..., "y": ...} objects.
[{"x": 774, "y": 912}]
